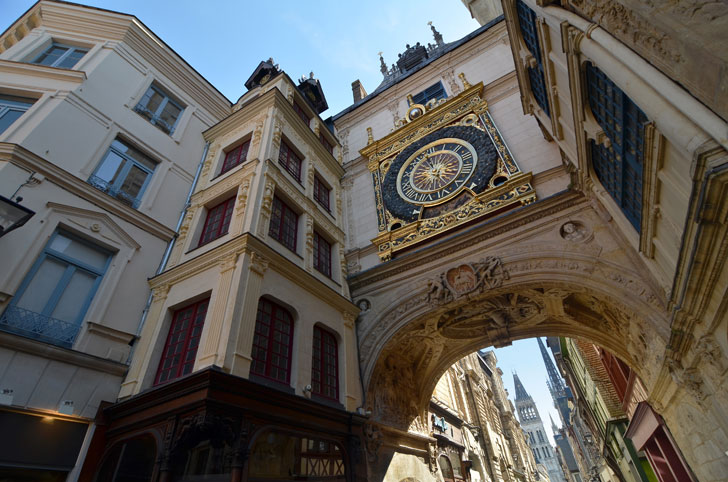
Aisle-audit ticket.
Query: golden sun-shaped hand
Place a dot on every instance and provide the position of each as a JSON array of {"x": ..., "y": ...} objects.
[{"x": 435, "y": 172}]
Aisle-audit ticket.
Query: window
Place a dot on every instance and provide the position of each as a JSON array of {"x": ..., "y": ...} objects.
[
  {"x": 282, "y": 456},
  {"x": 62, "y": 56},
  {"x": 159, "y": 108},
  {"x": 55, "y": 295},
  {"x": 436, "y": 91},
  {"x": 11, "y": 108},
  {"x": 321, "y": 193},
  {"x": 324, "y": 370},
  {"x": 527, "y": 21},
  {"x": 321, "y": 254},
  {"x": 619, "y": 166},
  {"x": 178, "y": 356},
  {"x": 288, "y": 158},
  {"x": 283, "y": 224},
  {"x": 217, "y": 221},
  {"x": 301, "y": 113},
  {"x": 235, "y": 157},
  {"x": 540, "y": 436},
  {"x": 325, "y": 142},
  {"x": 123, "y": 173},
  {"x": 446, "y": 468},
  {"x": 272, "y": 342}
]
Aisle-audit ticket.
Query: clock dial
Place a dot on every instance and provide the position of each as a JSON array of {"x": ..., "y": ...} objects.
[{"x": 437, "y": 171}]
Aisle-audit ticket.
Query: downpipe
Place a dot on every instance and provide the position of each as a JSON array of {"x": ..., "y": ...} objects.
[{"x": 168, "y": 251}]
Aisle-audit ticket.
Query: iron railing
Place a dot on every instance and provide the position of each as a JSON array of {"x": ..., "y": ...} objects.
[
  {"x": 34, "y": 325},
  {"x": 109, "y": 189}
]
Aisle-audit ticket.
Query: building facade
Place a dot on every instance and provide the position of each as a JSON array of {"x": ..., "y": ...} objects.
[
  {"x": 538, "y": 439},
  {"x": 336, "y": 269},
  {"x": 100, "y": 128}
]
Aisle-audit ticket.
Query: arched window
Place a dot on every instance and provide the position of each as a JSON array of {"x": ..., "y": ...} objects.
[
  {"x": 618, "y": 166},
  {"x": 273, "y": 342},
  {"x": 130, "y": 460},
  {"x": 446, "y": 468},
  {"x": 325, "y": 365}
]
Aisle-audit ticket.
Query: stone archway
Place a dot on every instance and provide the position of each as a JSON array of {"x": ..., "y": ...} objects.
[
  {"x": 569, "y": 296},
  {"x": 562, "y": 271}
]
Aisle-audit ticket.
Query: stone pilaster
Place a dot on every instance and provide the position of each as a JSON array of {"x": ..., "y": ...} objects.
[
  {"x": 241, "y": 357},
  {"x": 219, "y": 315}
]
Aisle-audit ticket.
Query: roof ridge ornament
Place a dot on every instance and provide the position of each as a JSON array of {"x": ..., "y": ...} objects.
[{"x": 438, "y": 36}]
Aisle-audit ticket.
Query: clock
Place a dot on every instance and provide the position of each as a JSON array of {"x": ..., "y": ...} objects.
[
  {"x": 440, "y": 167},
  {"x": 437, "y": 171}
]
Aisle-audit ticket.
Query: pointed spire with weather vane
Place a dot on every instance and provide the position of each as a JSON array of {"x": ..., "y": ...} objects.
[{"x": 521, "y": 393}]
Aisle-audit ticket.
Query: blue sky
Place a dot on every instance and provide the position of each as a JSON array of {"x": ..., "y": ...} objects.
[
  {"x": 337, "y": 40},
  {"x": 524, "y": 357}
]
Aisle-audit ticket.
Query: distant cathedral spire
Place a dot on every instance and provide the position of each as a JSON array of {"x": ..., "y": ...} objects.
[
  {"x": 554, "y": 428},
  {"x": 555, "y": 382},
  {"x": 521, "y": 393}
]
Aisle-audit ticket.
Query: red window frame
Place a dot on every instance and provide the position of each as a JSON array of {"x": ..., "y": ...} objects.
[
  {"x": 321, "y": 193},
  {"x": 217, "y": 221},
  {"x": 180, "y": 349},
  {"x": 321, "y": 254},
  {"x": 289, "y": 159},
  {"x": 283, "y": 224},
  {"x": 301, "y": 113},
  {"x": 325, "y": 365},
  {"x": 329, "y": 146},
  {"x": 272, "y": 342},
  {"x": 235, "y": 157}
]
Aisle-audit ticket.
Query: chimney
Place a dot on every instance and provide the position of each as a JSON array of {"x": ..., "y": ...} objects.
[{"x": 358, "y": 90}]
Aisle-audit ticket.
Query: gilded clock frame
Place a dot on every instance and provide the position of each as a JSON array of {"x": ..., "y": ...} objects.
[{"x": 468, "y": 109}]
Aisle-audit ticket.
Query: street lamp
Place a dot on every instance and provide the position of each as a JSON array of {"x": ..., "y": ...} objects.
[{"x": 12, "y": 215}]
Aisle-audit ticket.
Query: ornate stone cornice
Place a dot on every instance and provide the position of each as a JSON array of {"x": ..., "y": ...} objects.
[{"x": 462, "y": 240}]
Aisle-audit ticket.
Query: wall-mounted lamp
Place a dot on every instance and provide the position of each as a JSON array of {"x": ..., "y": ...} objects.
[{"x": 12, "y": 215}]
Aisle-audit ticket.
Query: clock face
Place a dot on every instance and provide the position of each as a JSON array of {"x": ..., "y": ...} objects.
[{"x": 437, "y": 171}]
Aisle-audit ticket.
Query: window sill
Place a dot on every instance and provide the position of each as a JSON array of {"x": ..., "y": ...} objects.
[
  {"x": 287, "y": 248},
  {"x": 329, "y": 402},
  {"x": 270, "y": 383}
]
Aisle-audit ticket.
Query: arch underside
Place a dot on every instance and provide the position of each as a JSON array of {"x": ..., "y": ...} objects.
[{"x": 512, "y": 297}]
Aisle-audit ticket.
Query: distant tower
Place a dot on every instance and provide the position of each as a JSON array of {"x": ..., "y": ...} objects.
[
  {"x": 559, "y": 391},
  {"x": 535, "y": 433}
]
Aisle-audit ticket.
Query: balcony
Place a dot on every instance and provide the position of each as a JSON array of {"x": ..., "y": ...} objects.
[
  {"x": 109, "y": 189},
  {"x": 40, "y": 327}
]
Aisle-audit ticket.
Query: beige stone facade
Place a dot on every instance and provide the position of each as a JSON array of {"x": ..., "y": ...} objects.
[
  {"x": 571, "y": 263},
  {"x": 64, "y": 357}
]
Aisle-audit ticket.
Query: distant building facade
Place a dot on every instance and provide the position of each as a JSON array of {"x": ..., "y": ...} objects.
[{"x": 536, "y": 435}]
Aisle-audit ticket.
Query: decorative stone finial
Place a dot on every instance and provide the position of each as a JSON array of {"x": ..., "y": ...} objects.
[
  {"x": 382, "y": 65},
  {"x": 465, "y": 82},
  {"x": 437, "y": 35},
  {"x": 370, "y": 135},
  {"x": 410, "y": 99}
]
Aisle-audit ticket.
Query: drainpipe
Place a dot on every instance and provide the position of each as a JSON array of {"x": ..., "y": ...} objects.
[{"x": 168, "y": 251}]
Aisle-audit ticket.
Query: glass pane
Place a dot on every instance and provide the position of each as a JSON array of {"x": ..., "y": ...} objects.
[
  {"x": 110, "y": 167},
  {"x": 134, "y": 154},
  {"x": 72, "y": 300},
  {"x": 41, "y": 287},
  {"x": 134, "y": 181},
  {"x": 170, "y": 114},
  {"x": 155, "y": 100},
  {"x": 8, "y": 118},
  {"x": 72, "y": 58},
  {"x": 79, "y": 251},
  {"x": 51, "y": 55}
]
